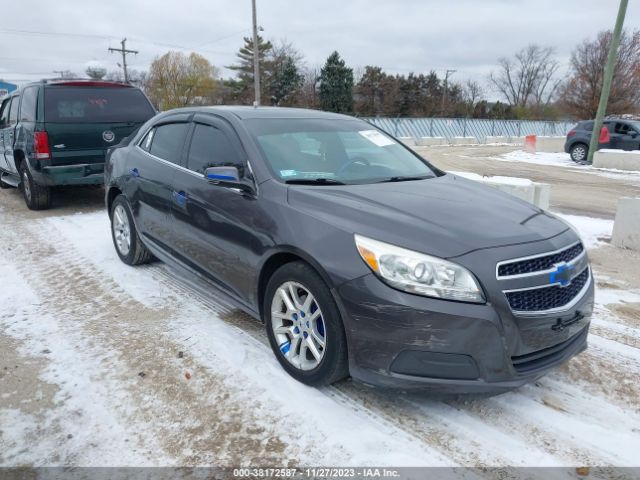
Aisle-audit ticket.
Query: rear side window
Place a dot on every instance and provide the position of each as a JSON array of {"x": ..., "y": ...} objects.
[
  {"x": 29, "y": 104},
  {"x": 586, "y": 126},
  {"x": 167, "y": 141},
  {"x": 13, "y": 112},
  {"x": 210, "y": 147},
  {"x": 63, "y": 104}
]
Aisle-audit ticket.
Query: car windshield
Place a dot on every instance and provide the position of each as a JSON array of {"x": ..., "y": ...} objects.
[
  {"x": 66, "y": 104},
  {"x": 333, "y": 152}
]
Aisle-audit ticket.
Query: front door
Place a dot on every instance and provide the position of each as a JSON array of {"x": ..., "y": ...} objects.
[
  {"x": 153, "y": 164},
  {"x": 217, "y": 228}
]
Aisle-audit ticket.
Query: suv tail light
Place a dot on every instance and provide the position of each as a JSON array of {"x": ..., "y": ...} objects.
[
  {"x": 571, "y": 133},
  {"x": 604, "y": 135},
  {"x": 41, "y": 148}
]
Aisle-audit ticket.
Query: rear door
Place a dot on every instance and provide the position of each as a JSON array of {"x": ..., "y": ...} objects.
[
  {"x": 4, "y": 122},
  {"x": 82, "y": 121},
  {"x": 153, "y": 163},
  {"x": 8, "y": 134}
]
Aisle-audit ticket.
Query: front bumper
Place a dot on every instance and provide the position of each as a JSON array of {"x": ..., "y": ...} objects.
[
  {"x": 402, "y": 340},
  {"x": 81, "y": 174}
]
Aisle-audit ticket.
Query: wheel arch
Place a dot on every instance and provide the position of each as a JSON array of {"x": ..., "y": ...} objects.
[
  {"x": 277, "y": 259},
  {"x": 112, "y": 192}
]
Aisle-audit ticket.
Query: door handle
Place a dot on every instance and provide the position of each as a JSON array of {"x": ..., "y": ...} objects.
[
  {"x": 134, "y": 172},
  {"x": 180, "y": 197}
]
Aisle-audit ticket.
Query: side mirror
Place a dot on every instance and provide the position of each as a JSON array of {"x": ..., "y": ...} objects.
[{"x": 228, "y": 177}]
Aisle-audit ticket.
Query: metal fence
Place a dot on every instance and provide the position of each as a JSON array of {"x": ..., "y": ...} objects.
[{"x": 479, "y": 128}]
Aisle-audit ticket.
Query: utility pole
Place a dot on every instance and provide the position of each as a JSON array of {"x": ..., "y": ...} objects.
[
  {"x": 446, "y": 86},
  {"x": 606, "y": 81},
  {"x": 124, "y": 53},
  {"x": 256, "y": 56}
]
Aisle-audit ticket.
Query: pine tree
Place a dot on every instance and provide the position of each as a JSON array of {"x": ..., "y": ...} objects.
[
  {"x": 285, "y": 80},
  {"x": 336, "y": 85},
  {"x": 243, "y": 87}
]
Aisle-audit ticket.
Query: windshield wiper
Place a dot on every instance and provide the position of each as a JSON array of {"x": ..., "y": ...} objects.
[
  {"x": 314, "y": 181},
  {"x": 404, "y": 178}
]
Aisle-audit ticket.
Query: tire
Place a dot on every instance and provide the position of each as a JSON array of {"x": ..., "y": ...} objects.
[
  {"x": 291, "y": 336},
  {"x": 125, "y": 236},
  {"x": 37, "y": 197},
  {"x": 579, "y": 152}
]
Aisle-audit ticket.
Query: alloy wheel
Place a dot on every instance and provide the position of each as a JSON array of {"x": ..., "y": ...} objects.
[
  {"x": 579, "y": 153},
  {"x": 121, "y": 230},
  {"x": 298, "y": 326}
]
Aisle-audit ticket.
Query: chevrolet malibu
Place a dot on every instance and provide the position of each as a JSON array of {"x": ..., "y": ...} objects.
[{"x": 360, "y": 257}]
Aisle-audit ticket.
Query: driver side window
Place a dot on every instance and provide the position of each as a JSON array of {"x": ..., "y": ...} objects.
[{"x": 210, "y": 147}]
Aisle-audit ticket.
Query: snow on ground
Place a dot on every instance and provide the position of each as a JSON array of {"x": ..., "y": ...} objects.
[
  {"x": 105, "y": 322},
  {"x": 561, "y": 159}
]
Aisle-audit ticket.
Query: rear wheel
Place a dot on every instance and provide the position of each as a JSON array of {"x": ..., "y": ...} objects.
[
  {"x": 125, "y": 237},
  {"x": 579, "y": 152},
  {"x": 37, "y": 197},
  {"x": 304, "y": 326}
]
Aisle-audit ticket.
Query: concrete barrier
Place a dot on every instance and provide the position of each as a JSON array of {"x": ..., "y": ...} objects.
[
  {"x": 626, "y": 228},
  {"x": 617, "y": 159},
  {"x": 430, "y": 141},
  {"x": 463, "y": 141},
  {"x": 409, "y": 141},
  {"x": 550, "y": 144},
  {"x": 498, "y": 139},
  {"x": 523, "y": 188}
]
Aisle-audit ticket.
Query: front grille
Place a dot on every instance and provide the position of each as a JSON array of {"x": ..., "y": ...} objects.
[
  {"x": 539, "y": 264},
  {"x": 542, "y": 359},
  {"x": 547, "y": 298}
]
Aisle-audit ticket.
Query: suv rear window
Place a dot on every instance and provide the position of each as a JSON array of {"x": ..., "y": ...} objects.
[
  {"x": 586, "y": 126},
  {"x": 95, "y": 105}
]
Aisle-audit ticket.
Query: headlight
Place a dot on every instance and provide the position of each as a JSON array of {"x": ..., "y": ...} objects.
[{"x": 419, "y": 273}]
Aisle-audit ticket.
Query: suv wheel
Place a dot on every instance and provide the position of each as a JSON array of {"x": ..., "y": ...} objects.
[
  {"x": 125, "y": 237},
  {"x": 578, "y": 152},
  {"x": 304, "y": 326},
  {"x": 37, "y": 197}
]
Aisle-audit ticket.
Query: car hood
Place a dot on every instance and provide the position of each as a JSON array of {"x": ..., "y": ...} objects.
[{"x": 445, "y": 216}]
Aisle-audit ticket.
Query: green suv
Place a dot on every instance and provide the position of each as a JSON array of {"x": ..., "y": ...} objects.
[{"x": 57, "y": 133}]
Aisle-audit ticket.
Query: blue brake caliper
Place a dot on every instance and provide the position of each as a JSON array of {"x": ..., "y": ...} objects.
[
  {"x": 284, "y": 347},
  {"x": 320, "y": 322}
]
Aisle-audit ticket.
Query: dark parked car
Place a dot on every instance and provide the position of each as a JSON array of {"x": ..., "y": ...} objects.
[
  {"x": 57, "y": 133},
  {"x": 621, "y": 135},
  {"x": 359, "y": 256}
]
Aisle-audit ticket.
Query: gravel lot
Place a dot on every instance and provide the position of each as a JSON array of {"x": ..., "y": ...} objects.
[{"x": 103, "y": 364}]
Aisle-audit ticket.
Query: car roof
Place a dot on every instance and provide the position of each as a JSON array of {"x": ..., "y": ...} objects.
[{"x": 248, "y": 112}]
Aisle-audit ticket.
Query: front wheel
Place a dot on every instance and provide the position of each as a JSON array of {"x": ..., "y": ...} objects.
[
  {"x": 579, "y": 152},
  {"x": 37, "y": 197},
  {"x": 124, "y": 234},
  {"x": 304, "y": 326}
]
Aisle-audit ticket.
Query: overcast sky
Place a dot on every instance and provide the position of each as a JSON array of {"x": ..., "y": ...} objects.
[{"x": 401, "y": 36}]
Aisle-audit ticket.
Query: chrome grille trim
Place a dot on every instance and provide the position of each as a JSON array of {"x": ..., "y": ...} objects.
[{"x": 539, "y": 255}]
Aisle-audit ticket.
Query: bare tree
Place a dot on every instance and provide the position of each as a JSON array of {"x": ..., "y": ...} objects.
[
  {"x": 529, "y": 78},
  {"x": 472, "y": 93},
  {"x": 581, "y": 93}
]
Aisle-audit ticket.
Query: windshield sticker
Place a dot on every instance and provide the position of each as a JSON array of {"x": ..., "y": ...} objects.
[
  {"x": 288, "y": 173},
  {"x": 377, "y": 138}
]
